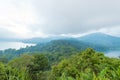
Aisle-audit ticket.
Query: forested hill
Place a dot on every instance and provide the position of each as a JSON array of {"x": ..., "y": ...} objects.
[
  {"x": 68, "y": 46},
  {"x": 99, "y": 39},
  {"x": 106, "y": 40},
  {"x": 62, "y": 46},
  {"x": 44, "y": 40},
  {"x": 62, "y": 59},
  {"x": 86, "y": 65}
]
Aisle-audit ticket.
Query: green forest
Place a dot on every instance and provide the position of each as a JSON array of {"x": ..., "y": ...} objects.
[
  {"x": 59, "y": 39},
  {"x": 79, "y": 65}
]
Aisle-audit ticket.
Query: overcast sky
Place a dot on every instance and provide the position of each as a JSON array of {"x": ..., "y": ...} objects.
[{"x": 41, "y": 18}]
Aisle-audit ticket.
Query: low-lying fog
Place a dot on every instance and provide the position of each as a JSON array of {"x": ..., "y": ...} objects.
[
  {"x": 14, "y": 45},
  {"x": 113, "y": 53}
]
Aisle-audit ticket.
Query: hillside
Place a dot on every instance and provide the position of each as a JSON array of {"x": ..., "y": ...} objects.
[
  {"x": 86, "y": 65},
  {"x": 67, "y": 47},
  {"x": 96, "y": 39},
  {"x": 102, "y": 39},
  {"x": 43, "y": 40}
]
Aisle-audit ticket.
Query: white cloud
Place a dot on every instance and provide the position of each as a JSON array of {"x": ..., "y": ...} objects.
[
  {"x": 34, "y": 18},
  {"x": 16, "y": 16},
  {"x": 112, "y": 31}
]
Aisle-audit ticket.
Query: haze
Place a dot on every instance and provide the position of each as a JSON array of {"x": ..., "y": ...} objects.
[{"x": 42, "y": 18}]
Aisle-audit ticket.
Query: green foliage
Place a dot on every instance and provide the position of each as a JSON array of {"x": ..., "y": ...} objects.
[
  {"x": 10, "y": 73},
  {"x": 22, "y": 61},
  {"x": 17, "y": 74},
  {"x": 2, "y": 72},
  {"x": 64, "y": 47},
  {"x": 39, "y": 65},
  {"x": 88, "y": 65}
]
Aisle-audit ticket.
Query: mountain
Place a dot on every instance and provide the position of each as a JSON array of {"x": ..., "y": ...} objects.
[
  {"x": 102, "y": 40},
  {"x": 94, "y": 39},
  {"x": 43, "y": 40},
  {"x": 61, "y": 47},
  {"x": 66, "y": 45}
]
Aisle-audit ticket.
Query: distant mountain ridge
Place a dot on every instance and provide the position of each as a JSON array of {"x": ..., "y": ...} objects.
[
  {"x": 61, "y": 47},
  {"x": 99, "y": 39},
  {"x": 43, "y": 40},
  {"x": 102, "y": 39}
]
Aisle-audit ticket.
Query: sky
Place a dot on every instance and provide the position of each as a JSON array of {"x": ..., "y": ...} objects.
[{"x": 43, "y": 18}]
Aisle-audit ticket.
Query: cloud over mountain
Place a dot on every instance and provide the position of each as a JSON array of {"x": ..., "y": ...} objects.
[{"x": 33, "y": 18}]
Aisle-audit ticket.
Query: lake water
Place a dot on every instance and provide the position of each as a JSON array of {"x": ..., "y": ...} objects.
[
  {"x": 14, "y": 45},
  {"x": 113, "y": 54}
]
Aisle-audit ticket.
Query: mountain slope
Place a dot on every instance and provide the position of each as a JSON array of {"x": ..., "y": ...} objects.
[
  {"x": 96, "y": 39},
  {"x": 43, "y": 40},
  {"x": 64, "y": 46},
  {"x": 102, "y": 40}
]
